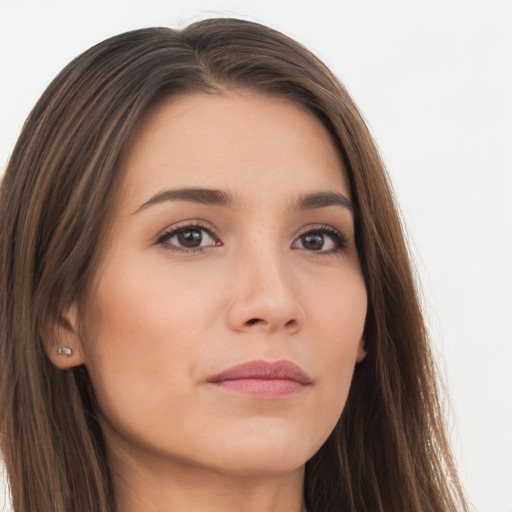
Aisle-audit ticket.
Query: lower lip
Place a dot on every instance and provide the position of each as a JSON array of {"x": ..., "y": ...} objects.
[{"x": 262, "y": 388}]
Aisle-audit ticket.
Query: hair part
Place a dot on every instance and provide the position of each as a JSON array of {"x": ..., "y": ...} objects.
[{"x": 389, "y": 450}]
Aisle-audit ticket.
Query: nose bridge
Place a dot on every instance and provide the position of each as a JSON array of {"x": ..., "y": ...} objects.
[
  {"x": 264, "y": 289},
  {"x": 270, "y": 272}
]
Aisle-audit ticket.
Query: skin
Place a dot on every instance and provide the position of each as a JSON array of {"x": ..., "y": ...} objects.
[{"x": 162, "y": 319}]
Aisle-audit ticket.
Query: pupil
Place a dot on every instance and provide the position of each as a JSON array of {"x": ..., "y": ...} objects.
[
  {"x": 190, "y": 238},
  {"x": 314, "y": 242}
]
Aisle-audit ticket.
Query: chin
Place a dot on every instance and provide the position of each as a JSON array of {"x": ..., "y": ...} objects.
[{"x": 264, "y": 455}]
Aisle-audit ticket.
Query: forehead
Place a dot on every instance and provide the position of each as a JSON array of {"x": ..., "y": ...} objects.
[{"x": 249, "y": 142}]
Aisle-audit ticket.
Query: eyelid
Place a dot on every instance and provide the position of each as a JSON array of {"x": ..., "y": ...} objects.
[
  {"x": 340, "y": 238},
  {"x": 174, "y": 229}
]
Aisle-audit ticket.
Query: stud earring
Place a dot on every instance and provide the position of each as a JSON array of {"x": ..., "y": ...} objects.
[{"x": 65, "y": 351}]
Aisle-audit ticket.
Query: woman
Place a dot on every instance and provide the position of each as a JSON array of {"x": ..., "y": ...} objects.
[{"x": 207, "y": 302}]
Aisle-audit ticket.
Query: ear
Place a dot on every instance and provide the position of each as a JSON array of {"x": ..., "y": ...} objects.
[
  {"x": 62, "y": 342},
  {"x": 361, "y": 352}
]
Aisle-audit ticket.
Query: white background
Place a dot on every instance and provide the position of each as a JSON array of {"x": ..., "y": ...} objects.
[{"x": 434, "y": 81}]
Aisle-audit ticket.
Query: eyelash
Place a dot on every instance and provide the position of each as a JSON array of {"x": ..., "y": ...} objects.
[
  {"x": 164, "y": 238},
  {"x": 340, "y": 241}
]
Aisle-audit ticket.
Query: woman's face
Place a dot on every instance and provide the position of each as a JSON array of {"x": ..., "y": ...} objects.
[{"x": 232, "y": 244}]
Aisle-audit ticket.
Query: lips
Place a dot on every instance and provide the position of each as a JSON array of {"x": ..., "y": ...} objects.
[{"x": 263, "y": 379}]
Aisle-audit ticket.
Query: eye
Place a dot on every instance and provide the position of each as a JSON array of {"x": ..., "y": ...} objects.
[
  {"x": 323, "y": 239},
  {"x": 190, "y": 238}
]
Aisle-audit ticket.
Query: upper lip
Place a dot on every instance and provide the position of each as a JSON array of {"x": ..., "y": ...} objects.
[{"x": 282, "y": 370}]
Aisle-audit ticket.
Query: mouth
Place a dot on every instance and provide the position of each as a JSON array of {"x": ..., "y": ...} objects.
[{"x": 263, "y": 379}]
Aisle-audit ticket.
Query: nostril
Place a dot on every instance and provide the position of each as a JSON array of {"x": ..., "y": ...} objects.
[
  {"x": 290, "y": 323},
  {"x": 253, "y": 321}
]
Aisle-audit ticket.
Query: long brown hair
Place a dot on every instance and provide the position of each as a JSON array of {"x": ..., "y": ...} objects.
[{"x": 389, "y": 450}]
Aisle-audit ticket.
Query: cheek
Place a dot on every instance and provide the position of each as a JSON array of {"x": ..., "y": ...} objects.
[
  {"x": 139, "y": 307},
  {"x": 145, "y": 329},
  {"x": 339, "y": 314},
  {"x": 133, "y": 345},
  {"x": 337, "y": 308}
]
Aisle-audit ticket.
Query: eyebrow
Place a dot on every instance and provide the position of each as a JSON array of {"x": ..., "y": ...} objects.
[
  {"x": 211, "y": 197},
  {"x": 192, "y": 195},
  {"x": 323, "y": 199}
]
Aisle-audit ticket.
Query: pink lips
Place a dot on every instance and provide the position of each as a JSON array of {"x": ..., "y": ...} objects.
[{"x": 262, "y": 379}]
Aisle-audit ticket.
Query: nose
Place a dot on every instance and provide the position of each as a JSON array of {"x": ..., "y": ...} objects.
[{"x": 264, "y": 295}]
